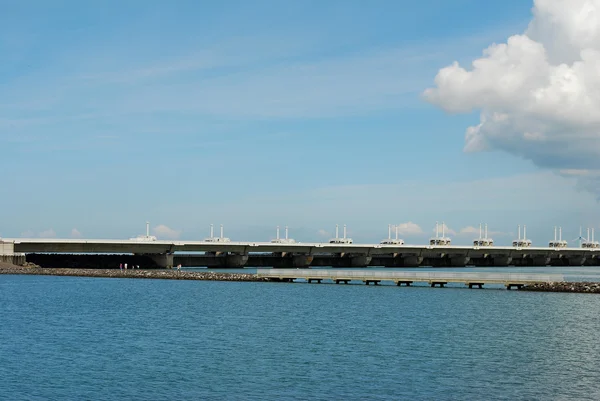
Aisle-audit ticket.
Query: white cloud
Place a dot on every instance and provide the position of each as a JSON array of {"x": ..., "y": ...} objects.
[
  {"x": 162, "y": 231},
  {"x": 323, "y": 233},
  {"x": 408, "y": 228},
  {"x": 539, "y": 93},
  {"x": 443, "y": 227},
  {"x": 75, "y": 233},
  {"x": 474, "y": 231},
  {"x": 469, "y": 230},
  {"x": 50, "y": 233}
]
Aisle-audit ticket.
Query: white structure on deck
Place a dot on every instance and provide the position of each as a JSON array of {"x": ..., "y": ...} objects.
[
  {"x": 212, "y": 237},
  {"x": 483, "y": 240},
  {"x": 146, "y": 237},
  {"x": 589, "y": 241},
  {"x": 437, "y": 240},
  {"x": 522, "y": 242},
  {"x": 285, "y": 240},
  {"x": 558, "y": 242},
  {"x": 389, "y": 240},
  {"x": 337, "y": 239}
]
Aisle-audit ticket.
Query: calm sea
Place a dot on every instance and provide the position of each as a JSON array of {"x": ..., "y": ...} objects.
[{"x": 69, "y": 338}]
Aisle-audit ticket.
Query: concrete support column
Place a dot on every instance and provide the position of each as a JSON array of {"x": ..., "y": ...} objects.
[
  {"x": 360, "y": 260},
  {"x": 164, "y": 260},
  {"x": 501, "y": 261},
  {"x": 459, "y": 261},
  {"x": 302, "y": 260},
  {"x": 412, "y": 261},
  {"x": 540, "y": 260},
  {"x": 234, "y": 261},
  {"x": 576, "y": 260}
]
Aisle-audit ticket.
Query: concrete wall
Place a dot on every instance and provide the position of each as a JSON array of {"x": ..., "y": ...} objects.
[
  {"x": 16, "y": 259},
  {"x": 7, "y": 248}
]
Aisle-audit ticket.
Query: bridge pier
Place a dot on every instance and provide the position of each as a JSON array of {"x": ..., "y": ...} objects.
[
  {"x": 576, "y": 260},
  {"x": 459, "y": 261},
  {"x": 288, "y": 260},
  {"x": 233, "y": 261},
  {"x": 412, "y": 261},
  {"x": 540, "y": 260},
  {"x": 163, "y": 260},
  {"x": 353, "y": 260},
  {"x": 360, "y": 260},
  {"x": 501, "y": 261}
]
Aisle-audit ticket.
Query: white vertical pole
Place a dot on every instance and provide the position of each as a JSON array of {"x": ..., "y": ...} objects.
[
  {"x": 147, "y": 229},
  {"x": 389, "y": 231},
  {"x": 485, "y": 230},
  {"x": 524, "y": 232},
  {"x": 519, "y": 228},
  {"x": 588, "y": 235},
  {"x": 443, "y": 229},
  {"x": 286, "y": 232},
  {"x": 221, "y": 230},
  {"x": 396, "y": 231},
  {"x": 277, "y": 232},
  {"x": 344, "y": 231},
  {"x": 560, "y": 233},
  {"x": 592, "y": 235},
  {"x": 554, "y": 233},
  {"x": 212, "y": 231},
  {"x": 437, "y": 229},
  {"x": 336, "y": 231},
  {"x": 479, "y": 230}
]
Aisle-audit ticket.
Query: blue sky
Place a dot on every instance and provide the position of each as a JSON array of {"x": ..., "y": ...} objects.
[{"x": 254, "y": 114}]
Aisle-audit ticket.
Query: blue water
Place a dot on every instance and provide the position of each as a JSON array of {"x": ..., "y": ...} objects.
[{"x": 70, "y": 338}]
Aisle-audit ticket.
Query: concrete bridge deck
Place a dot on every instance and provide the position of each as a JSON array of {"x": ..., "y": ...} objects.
[
  {"x": 263, "y": 254},
  {"x": 509, "y": 280}
]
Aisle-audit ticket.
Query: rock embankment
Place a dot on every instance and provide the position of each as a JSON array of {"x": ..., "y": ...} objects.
[
  {"x": 564, "y": 286},
  {"x": 131, "y": 273}
]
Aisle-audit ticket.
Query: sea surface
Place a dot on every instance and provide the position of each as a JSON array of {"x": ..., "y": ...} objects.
[{"x": 72, "y": 338}]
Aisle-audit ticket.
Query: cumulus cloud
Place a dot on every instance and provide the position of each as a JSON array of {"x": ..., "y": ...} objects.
[
  {"x": 323, "y": 233},
  {"x": 50, "y": 233},
  {"x": 408, "y": 228},
  {"x": 164, "y": 232},
  {"x": 538, "y": 93},
  {"x": 474, "y": 231},
  {"x": 443, "y": 227},
  {"x": 75, "y": 233}
]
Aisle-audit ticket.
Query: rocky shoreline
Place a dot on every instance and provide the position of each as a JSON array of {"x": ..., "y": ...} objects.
[
  {"x": 130, "y": 273},
  {"x": 563, "y": 286}
]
